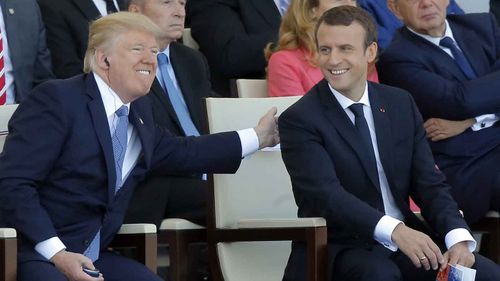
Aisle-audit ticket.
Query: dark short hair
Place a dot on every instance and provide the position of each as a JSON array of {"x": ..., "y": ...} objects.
[{"x": 346, "y": 15}]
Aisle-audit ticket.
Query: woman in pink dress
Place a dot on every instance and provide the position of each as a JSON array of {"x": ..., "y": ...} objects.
[{"x": 292, "y": 69}]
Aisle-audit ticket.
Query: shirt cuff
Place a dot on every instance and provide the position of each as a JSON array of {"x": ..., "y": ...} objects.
[
  {"x": 383, "y": 232},
  {"x": 50, "y": 247},
  {"x": 249, "y": 141},
  {"x": 484, "y": 121},
  {"x": 459, "y": 235}
]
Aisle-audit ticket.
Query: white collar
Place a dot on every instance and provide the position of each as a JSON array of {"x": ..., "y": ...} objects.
[{"x": 345, "y": 102}]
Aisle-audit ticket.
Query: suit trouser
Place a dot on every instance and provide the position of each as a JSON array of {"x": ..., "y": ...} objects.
[
  {"x": 379, "y": 263},
  {"x": 113, "y": 267}
]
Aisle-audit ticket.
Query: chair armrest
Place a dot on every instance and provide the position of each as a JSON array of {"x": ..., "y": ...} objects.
[
  {"x": 137, "y": 228},
  {"x": 178, "y": 224},
  {"x": 281, "y": 223},
  {"x": 7, "y": 233}
]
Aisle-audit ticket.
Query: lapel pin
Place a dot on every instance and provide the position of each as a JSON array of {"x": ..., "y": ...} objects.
[
  {"x": 11, "y": 11},
  {"x": 382, "y": 109},
  {"x": 140, "y": 121}
]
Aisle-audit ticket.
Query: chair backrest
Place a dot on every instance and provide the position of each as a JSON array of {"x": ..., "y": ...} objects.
[
  {"x": 260, "y": 189},
  {"x": 251, "y": 88},
  {"x": 188, "y": 40},
  {"x": 6, "y": 112}
]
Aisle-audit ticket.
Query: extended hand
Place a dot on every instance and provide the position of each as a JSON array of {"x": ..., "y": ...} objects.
[
  {"x": 440, "y": 129},
  {"x": 267, "y": 129},
  {"x": 459, "y": 254},
  {"x": 70, "y": 264},
  {"x": 417, "y": 246}
]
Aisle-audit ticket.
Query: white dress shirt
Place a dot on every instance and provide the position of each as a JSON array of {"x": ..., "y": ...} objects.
[
  {"x": 248, "y": 138},
  {"x": 393, "y": 216},
  {"x": 101, "y": 6},
  {"x": 483, "y": 121}
]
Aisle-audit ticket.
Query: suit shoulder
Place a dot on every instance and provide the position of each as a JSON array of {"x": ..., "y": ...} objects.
[
  {"x": 387, "y": 91},
  {"x": 186, "y": 52}
]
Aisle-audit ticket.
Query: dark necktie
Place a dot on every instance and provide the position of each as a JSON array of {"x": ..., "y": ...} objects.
[
  {"x": 364, "y": 132},
  {"x": 459, "y": 56},
  {"x": 110, "y": 7}
]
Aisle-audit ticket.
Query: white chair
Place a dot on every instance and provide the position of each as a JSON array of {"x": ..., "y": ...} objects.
[
  {"x": 252, "y": 214},
  {"x": 188, "y": 40},
  {"x": 140, "y": 236},
  {"x": 251, "y": 88}
]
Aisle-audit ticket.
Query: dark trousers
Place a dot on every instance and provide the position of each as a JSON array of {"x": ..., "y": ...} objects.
[
  {"x": 379, "y": 263},
  {"x": 113, "y": 267}
]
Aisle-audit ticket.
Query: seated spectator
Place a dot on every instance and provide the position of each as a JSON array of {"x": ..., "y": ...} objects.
[
  {"x": 355, "y": 151},
  {"x": 95, "y": 140},
  {"x": 292, "y": 69},
  {"x": 233, "y": 34},
  {"x": 67, "y": 23},
  {"x": 25, "y": 62},
  {"x": 387, "y": 23},
  {"x": 450, "y": 64}
]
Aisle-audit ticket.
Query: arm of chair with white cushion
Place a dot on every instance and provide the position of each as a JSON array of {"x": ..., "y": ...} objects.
[
  {"x": 143, "y": 238},
  {"x": 178, "y": 234},
  {"x": 8, "y": 254}
]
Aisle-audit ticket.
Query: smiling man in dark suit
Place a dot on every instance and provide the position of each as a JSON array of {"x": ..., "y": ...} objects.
[
  {"x": 451, "y": 66},
  {"x": 355, "y": 152},
  {"x": 95, "y": 139}
]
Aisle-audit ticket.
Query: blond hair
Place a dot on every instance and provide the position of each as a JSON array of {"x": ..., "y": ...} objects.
[
  {"x": 296, "y": 29},
  {"x": 104, "y": 32}
]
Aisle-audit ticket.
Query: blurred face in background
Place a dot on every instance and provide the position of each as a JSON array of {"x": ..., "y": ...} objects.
[
  {"x": 423, "y": 16},
  {"x": 169, "y": 15}
]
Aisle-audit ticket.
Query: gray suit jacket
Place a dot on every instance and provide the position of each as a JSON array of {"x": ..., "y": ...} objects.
[{"x": 27, "y": 46}]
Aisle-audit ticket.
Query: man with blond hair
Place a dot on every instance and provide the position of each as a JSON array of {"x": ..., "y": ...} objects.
[{"x": 96, "y": 138}]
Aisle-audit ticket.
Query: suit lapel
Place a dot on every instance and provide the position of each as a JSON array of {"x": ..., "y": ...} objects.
[
  {"x": 99, "y": 119},
  {"x": 144, "y": 131},
  {"x": 268, "y": 10},
  {"x": 158, "y": 91},
  {"x": 471, "y": 50},
  {"x": 88, "y": 8},
  {"x": 337, "y": 116},
  {"x": 438, "y": 55},
  {"x": 382, "y": 131}
]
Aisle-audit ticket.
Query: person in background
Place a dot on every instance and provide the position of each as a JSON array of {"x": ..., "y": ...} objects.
[
  {"x": 387, "y": 23},
  {"x": 67, "y": 23},
  {"x": 25, "y": 60},
  {"x": 232, "y": 34},
  {"x": 292, "y": 69}
]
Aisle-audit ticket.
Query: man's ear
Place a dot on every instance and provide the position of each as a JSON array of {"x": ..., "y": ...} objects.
[
  {"x": 100, "y": 58},
  {"x": 134, "y": 8},
  {"x": 394, "y": 7},
  {"x": 371, "y": 52}
]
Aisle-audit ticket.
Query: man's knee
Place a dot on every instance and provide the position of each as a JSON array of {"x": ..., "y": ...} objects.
[
  {"x": 486, "y": 270},
  {"x": 38, "y": 270}
]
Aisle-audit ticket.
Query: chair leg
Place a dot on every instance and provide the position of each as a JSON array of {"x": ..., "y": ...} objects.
[
  {"x": 178, "y": 246},
  {"x": 8, "y": 259},
  {"x": 317, "y": 254}
]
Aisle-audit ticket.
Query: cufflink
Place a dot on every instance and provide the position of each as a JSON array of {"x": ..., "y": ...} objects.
[
  {"x": 11, "y": 11},
  {"x": 483, "y": 124}
]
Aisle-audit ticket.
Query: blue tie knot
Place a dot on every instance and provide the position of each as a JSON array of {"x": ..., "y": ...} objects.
[
  {"x": 162, "y": 59},
  {"x": 447, "y": 42},
  {"x": 122, "y": 111},
  {"x": 357, "y": 109}
]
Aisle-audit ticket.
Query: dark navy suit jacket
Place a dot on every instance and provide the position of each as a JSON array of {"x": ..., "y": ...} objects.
[
  {"x": 441, "y": 90},
  {"x": 57, "y": 172},
  {"x": 326, "y": 160},
  {"x": 27, "y": 45}
]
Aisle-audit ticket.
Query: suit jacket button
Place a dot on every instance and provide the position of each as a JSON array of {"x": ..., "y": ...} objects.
[{"x": 86, "y": 243}]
